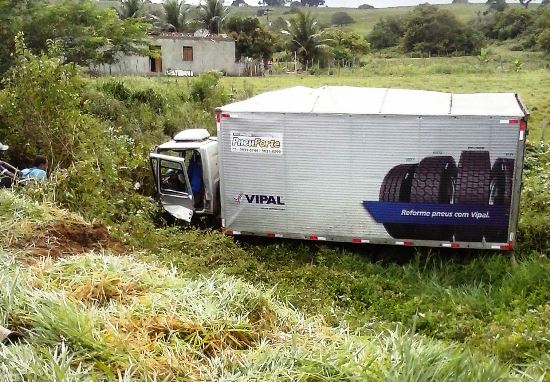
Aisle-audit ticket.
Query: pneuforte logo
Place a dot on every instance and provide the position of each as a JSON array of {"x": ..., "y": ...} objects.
[
  {"x": 266, "y": 201},
  {"x": 257, "y": 143}
]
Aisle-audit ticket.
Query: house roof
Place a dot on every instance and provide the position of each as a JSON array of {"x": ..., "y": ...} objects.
[
  {"x": 188, "y": 36},
  {"x": 383, "y": 101}
]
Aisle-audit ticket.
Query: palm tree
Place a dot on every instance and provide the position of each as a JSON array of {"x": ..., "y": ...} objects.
[
  {"x": 130, "y": 8},
  {"x": 306, "y": 41},
  {"x": 212, "y": 13},
  {"x": 174, "y": 14}
]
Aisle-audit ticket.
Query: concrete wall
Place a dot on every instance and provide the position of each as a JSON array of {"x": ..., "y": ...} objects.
[{"x": 208, "y": 54}]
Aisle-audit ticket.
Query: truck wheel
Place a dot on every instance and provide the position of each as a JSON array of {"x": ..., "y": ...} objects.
[
  {"x": 500, "y": 194},
  {"x": 472, "y": 187},
  {"x": 434, "y": 183},
  {"x": 396, "y": 187}
]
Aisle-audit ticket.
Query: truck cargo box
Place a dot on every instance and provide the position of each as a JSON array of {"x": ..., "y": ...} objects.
[{"x": 373, "y": 165}]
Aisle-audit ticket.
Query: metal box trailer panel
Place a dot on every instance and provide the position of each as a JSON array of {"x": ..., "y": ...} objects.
[{"x": 373, "y": 165}]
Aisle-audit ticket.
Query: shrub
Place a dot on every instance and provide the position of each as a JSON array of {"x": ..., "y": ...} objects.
[
  {"x": 341, "y": 18},
  {"x": 430, "y": 30},
  {"x": 151, "y": 98},
  {"x": 117, "y": 89},
  {"x": 386, "y": 33},
  {"x": 511, "y": 23},
  {"x": 43, "y": 115},
  {"x": 207, "y": 90}
]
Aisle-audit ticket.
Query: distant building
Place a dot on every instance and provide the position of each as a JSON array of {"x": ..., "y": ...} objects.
[{"x": 179, "y": 54}]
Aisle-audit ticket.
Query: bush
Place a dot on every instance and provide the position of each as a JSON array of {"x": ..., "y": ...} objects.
[
  {"x": 341, "y": 18},
  {"x": 511, "y": 23},
  {"x": 117, "y": 89},
  {"x": 151, "y": 98},
  {"x": 434, "y": 31},
  {"x": 535, "y": 216},
  {"x": 207, "y": 91},
  {"x": 43, "y": 116},
  {"x": 386, "y": 33}
]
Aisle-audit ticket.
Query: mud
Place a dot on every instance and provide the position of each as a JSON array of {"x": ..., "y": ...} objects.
[{"x": 62, "y": 239}]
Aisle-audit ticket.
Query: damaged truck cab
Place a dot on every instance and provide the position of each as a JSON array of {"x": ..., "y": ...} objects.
[{"x": 186, "y": 174}]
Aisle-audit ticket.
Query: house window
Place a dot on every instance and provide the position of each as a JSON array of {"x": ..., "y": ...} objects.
[{"x": 187, "y": 53}]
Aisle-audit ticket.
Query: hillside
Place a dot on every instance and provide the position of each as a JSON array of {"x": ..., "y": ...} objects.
[{"x": 364, "y": 19}]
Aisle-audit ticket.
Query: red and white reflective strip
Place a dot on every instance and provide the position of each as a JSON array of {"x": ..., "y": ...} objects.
[
  {"x": 315, "y": 237},
  {"x": 504, "y": 247},
  {"x": 230, "y": 232},
  {"x": 522, "y": 128},
  {"x": 407, "y": 243},
  {"x": 274, "y": 234},
  {"x": 509, "y": 121},
  {"x": 358, "y": 240},
  {"x": 218, "y": 121},
  {"x": 451, "y": 245}
]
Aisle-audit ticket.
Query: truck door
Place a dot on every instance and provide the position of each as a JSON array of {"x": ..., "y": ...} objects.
[{"x": 172, "y": 185}]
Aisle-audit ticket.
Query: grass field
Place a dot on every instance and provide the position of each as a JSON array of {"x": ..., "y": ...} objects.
[
  {"x": 472, "y": 299},
  {"x": 458, "y": 74}
]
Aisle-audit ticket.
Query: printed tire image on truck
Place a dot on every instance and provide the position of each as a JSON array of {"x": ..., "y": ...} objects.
[
  {"x": 472, "y": 187},
  {"x": 433, "y": 183},
  {"x": 396, "y": 187},
  {"x": 500, "y": 194}
]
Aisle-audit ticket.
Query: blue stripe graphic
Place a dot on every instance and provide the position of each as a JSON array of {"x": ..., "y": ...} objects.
[{"x": 427, "y": 213}]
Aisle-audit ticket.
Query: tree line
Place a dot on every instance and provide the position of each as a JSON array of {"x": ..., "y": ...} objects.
[{"x": 429, "y": 30}]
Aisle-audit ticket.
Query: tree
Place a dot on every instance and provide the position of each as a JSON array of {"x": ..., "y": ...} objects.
[
  {"x": 495, "y": 6},
  {"x": 211, "y": 14},
  {"x": 130, "y": 8},
  {"x": 365, "y": 6},
  {"x": 341, "y": 18},
  {"x": 386, "y": 32},
  {"x": 431, "y": 30},
  {"x": 174, "y": 14},
  {"x": 238, "y": 3},
  {"x": 543, "y": 40},
  {"x": 14, "y": 14},
  {"x": 251, "y": 38},
  {"x": 86, "y": 33},
  {"x": 305, "y": 38},
  {"x": 345, "y": 45}
]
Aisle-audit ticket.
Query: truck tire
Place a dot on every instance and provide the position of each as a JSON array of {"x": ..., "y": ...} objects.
[
  {"x": 434, "y": 183},
  {"x": 500, "y": 194},
  {"x": 472, "y": 187},
  {"x": 396, "y": 187}
]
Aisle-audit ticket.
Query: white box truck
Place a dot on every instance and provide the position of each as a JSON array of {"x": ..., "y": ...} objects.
[{"x": 360, "y": 165}]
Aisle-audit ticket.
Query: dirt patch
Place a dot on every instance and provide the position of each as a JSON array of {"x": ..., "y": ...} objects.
[{"x": 61, "y": 239}]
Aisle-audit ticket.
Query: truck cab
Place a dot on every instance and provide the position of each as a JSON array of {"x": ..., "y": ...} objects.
[{"x": 186, "y": 175}]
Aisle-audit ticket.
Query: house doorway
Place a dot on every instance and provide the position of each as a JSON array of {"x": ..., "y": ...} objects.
[{"x": 155, "y": 59}]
